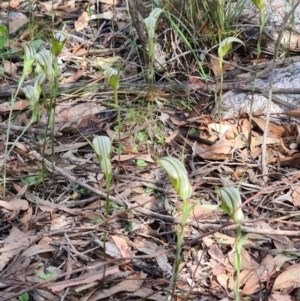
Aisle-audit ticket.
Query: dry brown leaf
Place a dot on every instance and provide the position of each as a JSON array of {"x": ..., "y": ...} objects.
[
  {"x": 51, "y": 206},
  {"x": 250, "y": 279},
  {"x": 288, "y": 280},
  {"x": 68, "y": 7},
  {"x": 162, "y": 260},
  {"x": 253, "y": 277},
  {"x": 82, "y": 21},
  {"x": 146, "y": 157},
  {"x": 122, "y": 245},
  {"x": 171, "y": 137},
  {"x": 122, "y": 158},
  {"x": 279, "y": 297},
  {"x": 221, "y": 150},
  {"x": 220, "y": 128},
  {"x": 201, "y": 211},
  {"x": 37, "y": 249},
  {"x": 66, "y": 147},
  {"x": 26, "y": 218},
  {"x": 294, "y": 113},
  {"x": 15, "y": 204},
  {"x": 215, "y": 253},
  {"x": 73, "y": 78},
  {"x": 259, "y": 140},
  {"x": 10, "y": 67},
  {"x": 275, "y": 131},
  {"x": 296, "y": 196},
  {"x": 214, "y": 66},
  {"x": 89, "y": 277},
  {"x": 132, "y": 284},
  {"x": 13, "y": 244},
  {"x": 223, "y": 280},
  {"x": 176, "y": 121},
  {"x": 247, "y": 261},
  {"x": 280, "y": 259},
  {"x": 148, "y": 247},
  {"x": 148, "y": 293},
  {"x": 67, "y": 113},
  {"x": 49, "y": 5},
  {"x": 228, "y": 240},
  {"x": 16, "y": 21},
  {"x": 18, "y": 105},
  {"x": 282, "y": 243},
  {"x": 196, "y": 81},
  {"x": 14, "y": 3}
]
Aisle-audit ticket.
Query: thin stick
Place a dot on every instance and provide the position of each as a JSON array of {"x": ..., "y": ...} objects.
[{"x": 264, "y": 158}]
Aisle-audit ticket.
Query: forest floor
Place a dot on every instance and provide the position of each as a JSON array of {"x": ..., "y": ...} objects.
[{"x": 61, "y": 239}]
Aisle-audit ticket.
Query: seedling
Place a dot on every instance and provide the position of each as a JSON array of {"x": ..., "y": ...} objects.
[
  {"x": 231, "y": 204},
  {"x": 24, "y": 297},
  {"x": 150, "y": 24},
  {"x": 3, "y": 36},
  {"x": 112, "y": 78},
  {"x": 102, "y": 149},
  {"x": 179, "y": 179},
  {"x": 97, "y": 220},
  {"x": 141, "y": 163}
]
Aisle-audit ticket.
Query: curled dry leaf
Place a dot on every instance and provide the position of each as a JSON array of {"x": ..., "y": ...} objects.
[{"x": 288, "y": 280}]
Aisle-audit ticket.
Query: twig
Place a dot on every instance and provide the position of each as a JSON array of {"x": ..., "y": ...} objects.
[
  {"x": 70, "y": 177},
  {"x": 264, "y": 158},
  {"x": 17, "y": 128}
]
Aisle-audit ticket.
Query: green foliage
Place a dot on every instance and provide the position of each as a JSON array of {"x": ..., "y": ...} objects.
[
  {"x": 83, "y": 191},
  {"x": 260, "y": 4},
  {"x": 150, "y": 25},
  {"x": 141, "y": 163},
  {"x": 58, "y": 42},
  {"x": 47, "y": 276},
  {"x": 29, "y": 59},
  {"x": 129, "y": 227},
  {"x": 224, "y": 48},
  {"x": 24, "y": 297},
  {"x": 231, "y": 202},
  {"x": 177, "y": 175},
  {"x": 179, "y": 179},
  {"x": 3, "y": 36},
  {"x": 206, "y": 22},
  {"x": 102, "y": 148},
  {"x": 112, "y": 77},
  {"x": 97, "y": 220}
]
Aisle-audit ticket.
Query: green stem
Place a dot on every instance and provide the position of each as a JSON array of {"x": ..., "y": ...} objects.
[{"x": 238, "y": 261}]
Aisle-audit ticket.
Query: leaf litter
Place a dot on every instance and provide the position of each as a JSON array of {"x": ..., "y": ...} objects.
[{"x": 53, "y": 227}]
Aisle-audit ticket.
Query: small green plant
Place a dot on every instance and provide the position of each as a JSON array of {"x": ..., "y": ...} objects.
[
  {"x": 203, "y": 24},
  {"x": 141, "y": 163},
  {"x": 32, "y": 180},
  {"x": 112, "y": 78},
  {"x": 179, "y": 179},
  {"x": 83, "y": 191},
  {"x": 24, "y": 297},
  {"x": 47, "y": 276},
  {"x": 3, "y": 36},
  {"x": 231, "y": 204},
  {"x": 102, "y": 148},
  {"x": 223, "y": 49},
  {"x": 150, "y": 24},
  {"x": 97, "y": 220},
  {"x": 129, "y": 227}
]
